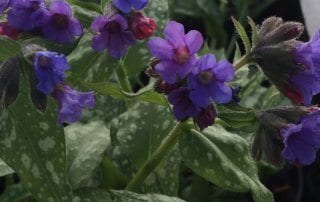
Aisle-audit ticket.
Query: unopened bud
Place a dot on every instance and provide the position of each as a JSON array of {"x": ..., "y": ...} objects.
[{"x": 141, "y": 26}]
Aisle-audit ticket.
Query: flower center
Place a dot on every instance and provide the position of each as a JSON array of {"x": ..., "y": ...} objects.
[
  {"x": 60, "y": 20},
  {"x": 44, "y": 62},
  {"x": 35, "y": 5},
  {"x": 181, "y": 55},
  {"x": 113, "y": 27},
  {"x": 206, "y": 77}
]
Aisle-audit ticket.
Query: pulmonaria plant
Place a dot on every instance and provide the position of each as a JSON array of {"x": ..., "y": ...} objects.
[
  {"x": 50, "y": 69},
  {"x": 191, "y": 83}
]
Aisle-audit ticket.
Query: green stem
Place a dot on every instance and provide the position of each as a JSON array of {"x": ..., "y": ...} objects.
[
  {"x": 123, "y": 78},
  {"x": 155, "y": 158},
  {"x": 241, "y": 62}
]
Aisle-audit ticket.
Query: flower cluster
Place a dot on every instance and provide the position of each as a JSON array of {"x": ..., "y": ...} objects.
[
  {"x": 191, "y": 83},
  {"x": 56, "y": 23},
  {"x": 293, "y": 66},
  {"x": 117, "y": 31},
  {"x": 50, "y": 69},
  {"x": 298, "y": 128}
]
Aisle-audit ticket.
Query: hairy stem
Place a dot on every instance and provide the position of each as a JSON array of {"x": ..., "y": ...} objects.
[
  {"x": 155, "y": 158},
  {"x": 123, "y": 78},
  {"x": 241, "y": 62}
]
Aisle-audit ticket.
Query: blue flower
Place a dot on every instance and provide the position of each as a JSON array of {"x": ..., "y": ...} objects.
[
  {"x": 176, "y": 52},
  {"x": 4, "y": 4},
  {"x": 58, "y": 24},
  {"x": 23, "y": 15},
  {"x": 71, "y": 103},
  {"x": 127, "y": 5},
  {"x": 50, "y": 68},
  {"x": 207, "y": 81},
  {"x": 302, "y": 140},
  {"x": 113, "y": 35},
  {"x": 183, "y": 107}
]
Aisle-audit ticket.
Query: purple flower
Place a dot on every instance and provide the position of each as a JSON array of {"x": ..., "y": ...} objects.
[
  {"x": 302, "y": 140},
  {"x": 127, "y": 5},
  {"x": 306, "y": 82},
  {"x": 23, "y": 15},
  {"x": 71, "y": 103},
  {"x": 176, "y": 52},
  {"x": 4, "y": 4},
  {"x": 113, "y": 35},
  {"x": 58, "y": 24},
  {"x": 50, "y": 68},
  {"x": 207, "y": 81},
  {"x": 183, "y": 107}
]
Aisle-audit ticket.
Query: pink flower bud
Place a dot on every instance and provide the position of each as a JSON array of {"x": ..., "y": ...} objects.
[
  {"x": 9, "y": 31},
  {"x": 141, "y": 26}
]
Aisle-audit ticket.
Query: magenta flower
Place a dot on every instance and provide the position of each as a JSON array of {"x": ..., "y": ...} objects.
[
  {"x": 302, "y": 140},
  {"x": 23, "y": 15},
  {"x": 207, "y": 81},
  {"x": 50, "y": 68},
  {"x": 71, "y": 103},
  {"x": 58, "y": 24},
  {"x": 127, "y": 5},
  {"x": 113, "y": 35},
  {"x": 176, "y": 51}
]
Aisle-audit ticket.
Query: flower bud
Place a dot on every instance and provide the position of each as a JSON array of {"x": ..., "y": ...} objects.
[
  {"x": 9, "y": 31},
  {"x": 288, "y": 63},
  {"x": 164, "y": 87},
  {"x": 206, "y": 117},
  {"x": 141, "y": 26}
]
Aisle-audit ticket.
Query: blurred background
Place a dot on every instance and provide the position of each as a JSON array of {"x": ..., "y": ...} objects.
[{"x": 212, "y": 18}]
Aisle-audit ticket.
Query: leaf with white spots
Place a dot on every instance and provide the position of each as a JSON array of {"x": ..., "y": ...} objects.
[
  {"x": 92, "y": 195},
  {"x": 139, "y": 132},
  {"x": 88, "y": 65},
  {"x": 224, "y": 159},
  {"x": 127, "y": 196},
  {"x": 86, "y": 144},
  {"x": 34, "y": 146}
]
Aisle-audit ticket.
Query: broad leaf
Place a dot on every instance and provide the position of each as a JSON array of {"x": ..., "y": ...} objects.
[
  {"x": 224, "y": 159},
  {"x": 8, "y": 48},
  {"x": 5, "y": 169},
  {"x": 116, "y": 92},
  {"x": 88, "y": 65},
  {"x": 86, "y": 144},
  {"x": 139, "y": 132},
  {"x": 125, "y": 196},
  {"x": 34, "y": 146}
]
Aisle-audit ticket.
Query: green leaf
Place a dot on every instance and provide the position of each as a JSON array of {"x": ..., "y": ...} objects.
[
  {"x": 224, "y": 159},
  {"x": 92, "y": 195},
  {"x": 243, "y": 35},
  {"x": 254, "y": 30},
  {"x": 116, "y": 92},
  {"x": 89, "y": 66},
  {"x": 125, "y": 196},
  {"x": 86, "y": 144},
  {"x": 15, "y": 193},
  {"x": 5, "y": 169},
  {"x": 34, "y": 146},
  {"x": 238, "y": 117},
  {"x": 86, "y": 11},
  {"x": 139, "y": 132},
  {"x": 8, "y": 48}
]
